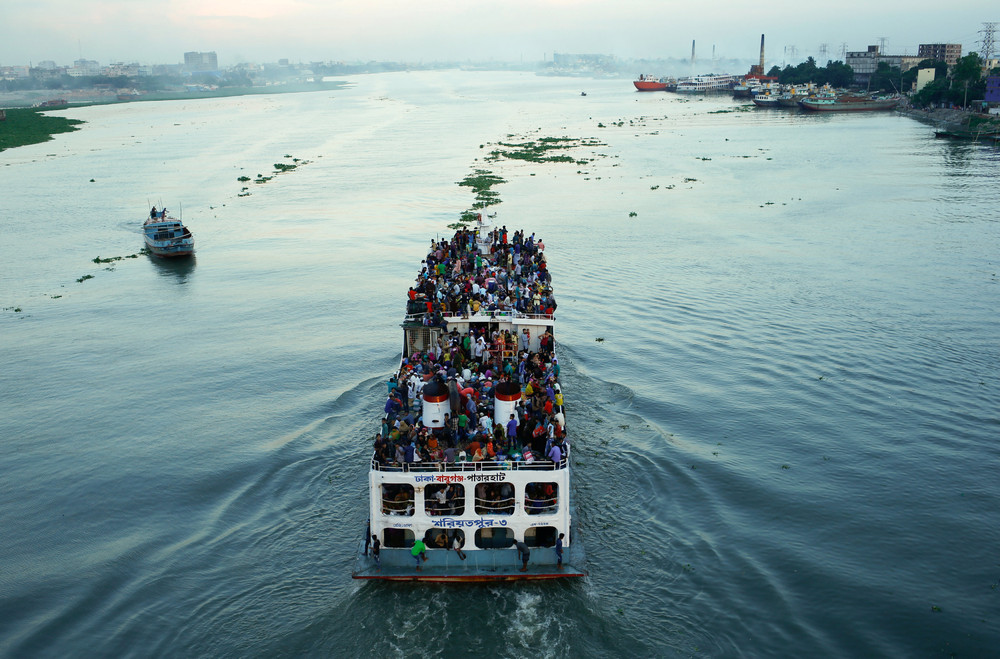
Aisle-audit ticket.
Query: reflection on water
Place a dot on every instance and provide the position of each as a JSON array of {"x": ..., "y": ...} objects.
[{"x": 178, "y": 269}]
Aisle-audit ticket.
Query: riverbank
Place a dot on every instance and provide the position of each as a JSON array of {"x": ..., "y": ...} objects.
[
  {"x": 958, "y": 123},
  {"x": 26, "y": 125}
]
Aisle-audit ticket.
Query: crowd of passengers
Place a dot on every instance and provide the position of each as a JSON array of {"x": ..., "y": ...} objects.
[
  {"x": 473, "y": 363},
  {"x": 457, "y": 279}
]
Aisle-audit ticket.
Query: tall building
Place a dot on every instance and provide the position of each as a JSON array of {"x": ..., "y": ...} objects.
[
  {"x": 194, "y": 61},
  {"x": 944, "y": 52},
  {"x": 865, "y": 63}
]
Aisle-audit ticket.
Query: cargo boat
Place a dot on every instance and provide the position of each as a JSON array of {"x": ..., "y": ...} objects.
[
  {"x": 651, "y": 84},
  {"x": 849, "y": 103},
  {"x": 473, "y": 459}
]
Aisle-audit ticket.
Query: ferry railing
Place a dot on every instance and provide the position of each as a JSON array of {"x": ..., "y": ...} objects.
[
  {"x": 482, "y": 316},
  {"x": 540, "y": 506},
  {"x": 494, "y": 506},
  {"x": 464, "y": 467},
  {"x": 392, "y": 506}
]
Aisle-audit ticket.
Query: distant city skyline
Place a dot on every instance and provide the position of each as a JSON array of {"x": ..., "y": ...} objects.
[{"x": 161, "y": 31}]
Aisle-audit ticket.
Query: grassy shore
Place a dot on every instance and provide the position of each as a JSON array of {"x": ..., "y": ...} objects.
[{"x": 29, "y": 126}]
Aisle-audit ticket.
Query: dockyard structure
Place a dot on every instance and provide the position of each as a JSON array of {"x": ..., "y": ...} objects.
[
  {"x": 949, "y": 53},
  {"x": 865, "y": 62},
  {"x": 993, "y": 91},
  {"x": 924, "y": 77}
]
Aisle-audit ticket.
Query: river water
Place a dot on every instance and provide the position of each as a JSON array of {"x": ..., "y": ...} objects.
[{"x": 782, "y": 371}]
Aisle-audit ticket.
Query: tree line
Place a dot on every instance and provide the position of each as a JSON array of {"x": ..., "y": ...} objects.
[
  {"x": 836, "y": 74},
  {"x": 960, "y": 85}
]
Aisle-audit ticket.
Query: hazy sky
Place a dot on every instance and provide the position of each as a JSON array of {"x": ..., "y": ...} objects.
[{"x": 160, "y": 31}]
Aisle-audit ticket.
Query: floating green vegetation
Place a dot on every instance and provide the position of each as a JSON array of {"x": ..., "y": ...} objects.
[
  {"x": 528, "y": 150},
  {"x": 14, "y": 309},
  {"x": 785, "y": 467},
  {"x": 538, "y": 150},
  {"x": 654, "y": 187},
  {"x": 632, "y": 214},
  {"x": 24, "y": 126},
  {"x": 279, "y": 168},
  {"x": 689, "y": 180},
  {"x": 600, "y": 339},
  {"x": 112, "y": 259},
  {"x": 84, "y": 278}
]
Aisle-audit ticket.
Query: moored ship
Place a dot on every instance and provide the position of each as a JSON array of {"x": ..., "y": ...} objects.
[
  {"x": 470, "y": 475},
  {"x": 849, "y": 103},
  {"x": 651, "y": 83},
  {"x": 701, "y": 84}
]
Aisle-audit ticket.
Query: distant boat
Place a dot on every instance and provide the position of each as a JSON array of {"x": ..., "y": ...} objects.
[
  {"x": 165, "y": 236},
  {"x": 651, "y": 84},
  {"x": 849, "y": 103},
  {"x": 766, "y": 100},
  {"x": 707, "y": 83}
]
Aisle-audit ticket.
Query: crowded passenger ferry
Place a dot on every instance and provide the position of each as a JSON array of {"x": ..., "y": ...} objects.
[{"x": 470, "y": 470}]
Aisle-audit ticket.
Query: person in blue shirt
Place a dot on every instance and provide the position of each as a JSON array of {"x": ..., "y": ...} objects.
[{"x": 559, "y": 551}]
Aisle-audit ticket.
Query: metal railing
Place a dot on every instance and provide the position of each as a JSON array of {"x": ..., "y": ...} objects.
[
  {"x": 482, "y": 316},
  {"x": 462, "y": 467}
]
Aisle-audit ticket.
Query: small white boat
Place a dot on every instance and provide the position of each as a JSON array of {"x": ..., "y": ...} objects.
[{"x": 166, "y": 236}]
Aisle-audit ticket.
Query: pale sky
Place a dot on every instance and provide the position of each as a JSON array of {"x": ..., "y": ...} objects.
[{"x": 160, "y": 31}]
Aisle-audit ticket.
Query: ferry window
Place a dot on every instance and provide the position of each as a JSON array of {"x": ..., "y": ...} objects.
[
  {"x": 495, "y": 499},
  {"x": 444, "y": 499},
  {"x": 438, "y": 538},
  {"x": 397, "y": 538},
  {"x": 397, "y": 499},
  {"x": 541, "y": 498},
  {"x": 540, "y": 536},
  {"x": 494, "y": 538}
]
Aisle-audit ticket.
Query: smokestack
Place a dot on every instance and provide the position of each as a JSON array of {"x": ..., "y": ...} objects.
[
  {"x": 692, "y": 52},
  {"x": 762, "y": 53}
]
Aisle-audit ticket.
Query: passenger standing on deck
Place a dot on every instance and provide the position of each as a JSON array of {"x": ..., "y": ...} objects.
[
  {"x": 559, "y": 550},
  {"x": 523, "y": 553},
  {"x": 419, "y": 551},
  {"x": 512, "y": 429},
  {"x": 376, "y": 552}
]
